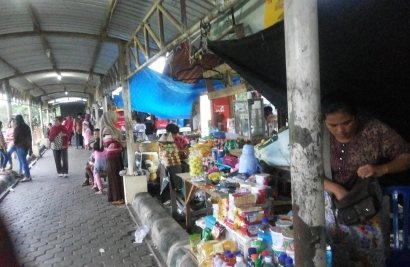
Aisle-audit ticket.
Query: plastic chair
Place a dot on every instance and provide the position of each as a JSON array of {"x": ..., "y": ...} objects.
[{"x": 400, "y": 255}]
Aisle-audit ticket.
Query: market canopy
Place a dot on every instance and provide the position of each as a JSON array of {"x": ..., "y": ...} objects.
[
  {"x": 160, "y": 95},
  {"x": 363, "y": 49}
]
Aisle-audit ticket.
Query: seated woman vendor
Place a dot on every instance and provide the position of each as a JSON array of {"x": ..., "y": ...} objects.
[
  {"x": 172, "y": 132},
  {"x": 359, "y": 147}
]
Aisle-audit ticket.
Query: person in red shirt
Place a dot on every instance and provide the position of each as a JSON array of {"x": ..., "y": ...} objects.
[
  {"x": 78, "y": 128},
  {"x": 70, "y": 127},
  {"x": 59, "y": 143}
]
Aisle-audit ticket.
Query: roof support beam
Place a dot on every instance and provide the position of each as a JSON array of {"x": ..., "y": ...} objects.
[
  {"x": 105, "y": 28},
  {"x": 19, "y": 74},
  {"x": 50, "y": 70},
  {"x": 37, "y": 28},
  {"x": 60, "y": 34},
  {"x": 73, "y": 92},
  {"x": 215, "y": 13},
  {"x": 67, "y": 84}
]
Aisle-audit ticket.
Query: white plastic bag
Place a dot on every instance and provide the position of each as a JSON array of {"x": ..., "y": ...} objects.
[
  {"x": 275, "y": 151},
  {"x": 140, "y": 233}
]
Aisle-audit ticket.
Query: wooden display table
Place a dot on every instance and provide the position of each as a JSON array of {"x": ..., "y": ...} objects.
[{"x": 190, "y": 188}]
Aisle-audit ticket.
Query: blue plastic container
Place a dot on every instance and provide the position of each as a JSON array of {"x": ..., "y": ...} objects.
[
  {"x": 181, "y": 122},
  {"x": 210, "y": 221}
]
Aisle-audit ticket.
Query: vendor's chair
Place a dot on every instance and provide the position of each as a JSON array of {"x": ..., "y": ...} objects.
[{"x": 400, "y": 255}]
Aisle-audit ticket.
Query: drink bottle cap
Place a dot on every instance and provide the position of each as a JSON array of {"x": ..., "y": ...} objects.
[
  {"x": 283, "y": 256},
  {"x": 289, "y": 260},
  {"x": 254, "y": 256},
  {"x": 265, "y": 253},
  {"x": 265, "y": 220}
]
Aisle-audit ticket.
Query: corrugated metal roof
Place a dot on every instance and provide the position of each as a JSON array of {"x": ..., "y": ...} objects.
[
  {"x": 104, "y": 61},
  {"x": 25, "y": 54},
  {"x": 14, "y": 17},
  {"x": 72, "y": 53},
  {"x": 85, "y": 16},
  {"x": 71, "y": 38}
]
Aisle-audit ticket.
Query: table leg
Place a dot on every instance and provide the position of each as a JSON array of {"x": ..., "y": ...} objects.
[{"x": 189, "y": 194}]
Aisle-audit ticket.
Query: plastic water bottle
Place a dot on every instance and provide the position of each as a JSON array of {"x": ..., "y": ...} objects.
[
  {"x": 268, "y": 262},
  {"x": 264, "y": 232},
  {"x": 239, "y": 261},
  {"x": 251, "y": 251},
  {"x": 328, "y": 256},
  {"x": 289, "y": 262},
  {"x": 281, "y": 259},
  {"x": 263, "y": 254}
]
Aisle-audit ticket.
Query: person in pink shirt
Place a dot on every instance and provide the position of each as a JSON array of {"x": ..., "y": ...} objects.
[
  {"x": 11, "y": 148},
  {"x": 100, "y": 165},
  {"x": 87, "y": 134}
]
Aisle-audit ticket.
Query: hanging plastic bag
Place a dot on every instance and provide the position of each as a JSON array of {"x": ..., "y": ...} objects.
[
  {"x": 140, "y": 233},
  {"x": 275, "y": 151}
]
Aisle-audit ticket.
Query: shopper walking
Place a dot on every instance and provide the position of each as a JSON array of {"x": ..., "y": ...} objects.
[
  {"x": 59, "y": 143},
  {"x": 68, "y": 123},
  {"x": 11, "y": 147},
  {"x": 110, "y": 137},
  {"x": 3, "y": 150},
  {"x": 23, "y": 141},
  {"x": 78, "y": 128}
]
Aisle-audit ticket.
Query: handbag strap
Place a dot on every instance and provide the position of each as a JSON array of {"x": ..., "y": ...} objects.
[{"x": 326, "y": 152}]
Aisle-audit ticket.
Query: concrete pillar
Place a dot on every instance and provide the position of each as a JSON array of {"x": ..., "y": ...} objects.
[
  {"x": 97, "y": 119},
  {"x": 7, "y": 90},
  {"x": 105, "y": 105},
  {"x": 41, "y": 121},
  {"x": 30, "y": 115},
  {"x": 303, "y": 90},
  {"x": 123, "y": 62},
  {"x": 48, "y": 116}
]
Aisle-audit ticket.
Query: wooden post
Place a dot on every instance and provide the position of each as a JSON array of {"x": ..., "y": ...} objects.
[
  {"x": 303, "y": 89},
  {"x": 7, "y": 90},
  {"x": 123, "y": 62}
]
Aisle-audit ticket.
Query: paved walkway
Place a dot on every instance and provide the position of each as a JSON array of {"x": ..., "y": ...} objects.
[{"x": 54, "y": 221}]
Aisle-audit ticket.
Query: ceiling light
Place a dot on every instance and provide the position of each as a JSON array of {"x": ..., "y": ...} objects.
[
  {"x": 66, "y": 92},
  {"x": 59, "y": 77}
]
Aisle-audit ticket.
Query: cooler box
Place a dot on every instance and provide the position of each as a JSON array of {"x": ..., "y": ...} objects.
[{"x": 210, "y": 221}]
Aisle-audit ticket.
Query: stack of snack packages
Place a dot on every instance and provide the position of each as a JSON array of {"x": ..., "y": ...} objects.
[
  {"x": 243, "y": 214},
  {"x": 169, "y": 155}
]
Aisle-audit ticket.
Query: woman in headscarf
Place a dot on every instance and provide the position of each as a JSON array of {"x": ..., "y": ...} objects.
[
  {"x": 59, "y": 143},
  {"x": 111, "y": 137},
  {"x": 22, "y": 141}
]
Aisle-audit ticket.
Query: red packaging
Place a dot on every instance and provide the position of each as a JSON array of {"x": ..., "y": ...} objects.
[
  {"x": 161, "y": 124},
  {"x": 250, "y": 230},
  {"x": 231, "y": 161}
]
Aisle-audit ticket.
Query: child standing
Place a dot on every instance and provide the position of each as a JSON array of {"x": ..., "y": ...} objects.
[
  {"x": 100, "y": 165},
  {"x": 87, "y": 134}
]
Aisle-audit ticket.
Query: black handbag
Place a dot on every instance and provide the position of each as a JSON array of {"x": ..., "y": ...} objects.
[{"x": 360, "y": 204}]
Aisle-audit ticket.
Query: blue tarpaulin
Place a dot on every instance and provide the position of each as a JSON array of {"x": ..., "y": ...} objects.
[{"x": 158, "y": 94}]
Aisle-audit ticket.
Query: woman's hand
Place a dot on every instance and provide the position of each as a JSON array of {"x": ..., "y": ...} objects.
[
  {"x": 369, "y": 170},
  {"x": 337, "y": 190}
]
